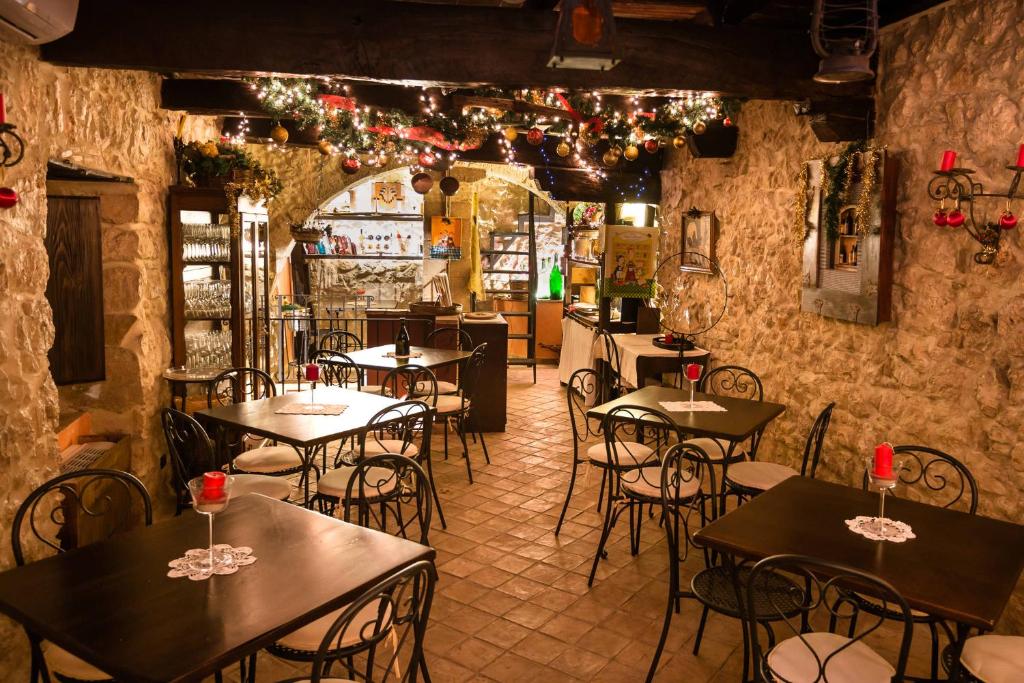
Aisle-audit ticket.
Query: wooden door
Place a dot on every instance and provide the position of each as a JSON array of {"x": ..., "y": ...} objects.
[{"x": 75, "y": 289}]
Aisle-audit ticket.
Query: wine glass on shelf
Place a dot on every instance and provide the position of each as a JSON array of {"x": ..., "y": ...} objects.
[
  {"x": 693, "y": 374},
  {"x": 210, "y": 495}
]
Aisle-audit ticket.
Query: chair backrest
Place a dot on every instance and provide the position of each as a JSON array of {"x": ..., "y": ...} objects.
[
  {"x": 627, "y": 425},
  {"x": 390, "y": 493},
  {"x": 338, "y": 370},
  {"x": 340, "y": 340},
  {"x": 734, "y": 381},
  {"x": 449, "y": 338},
  {"x": 686, "y": 467},
  {"x": 77, "y": 508},
  {"x": 404, "y": 422},
  {"x": 472, "y": 372},
  {"x": 235, "y": 385},
  {"x": 815, "y": 440},
  {"x": 790, "y": 590},
  {"x": 680, "y": 377},
  {"x": 393, "y": 615},
  {"x": 411, "y": 381},
  {"x": 191, "y": 451},
  {"x": 934, "y": 477},
  {"x": 583, "y": 390}
]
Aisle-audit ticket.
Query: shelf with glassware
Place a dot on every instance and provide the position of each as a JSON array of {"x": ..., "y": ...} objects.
[{"x": 219, "y": 288}]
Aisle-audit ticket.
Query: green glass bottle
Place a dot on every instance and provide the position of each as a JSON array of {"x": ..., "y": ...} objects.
[{"x": 555, "y": 281}]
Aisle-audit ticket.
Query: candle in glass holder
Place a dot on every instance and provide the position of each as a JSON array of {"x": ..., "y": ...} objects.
[
  {"x": 1020, "y": 156},
  {"x": 212, "y": 493},
  {"x": 693, "y": 372},
  {"x": 312, "y": 372},
  {"x": 883, "y": 461},
  {"x": 948, "y": 160}
]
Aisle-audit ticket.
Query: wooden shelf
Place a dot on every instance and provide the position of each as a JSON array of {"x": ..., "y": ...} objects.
[{"x": 365, "y": 258}]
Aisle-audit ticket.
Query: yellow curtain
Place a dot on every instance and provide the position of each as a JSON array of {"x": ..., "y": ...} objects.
[{"x": 476, "y": 274}]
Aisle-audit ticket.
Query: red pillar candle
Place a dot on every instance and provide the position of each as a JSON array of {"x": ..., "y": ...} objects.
[
  {"x": 693, "y": 372},
  {"x": 948, "y": 160},
  {"x": 312, "y": 372},
  {"x": 883, "y": 461},
  {"x": 3, "y": 111},
  {"x": 213, "y": 485},
  {"x": 1020, "y": 151}
]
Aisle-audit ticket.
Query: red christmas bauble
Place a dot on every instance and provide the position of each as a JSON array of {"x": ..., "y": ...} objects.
[
  {"x": 535, "y": 136},
  {"x": 422, "y": 182},
  {"x": 939, "y": 218},
  {"x": 651, "y": 146},
  {"x": 350, "y": 165},
  {"x": 1007, "y": 221},
  {"x": 955, "y": 218},
  {"x": 426, "y": 159},
  {"x": 727, "y": 122}
]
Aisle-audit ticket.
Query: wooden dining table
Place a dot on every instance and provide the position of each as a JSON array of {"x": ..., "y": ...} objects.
[
  {"x": 308, "y": 434},
  {"x": 112, "y": 604},
  {"x": 377, "y": 358}
]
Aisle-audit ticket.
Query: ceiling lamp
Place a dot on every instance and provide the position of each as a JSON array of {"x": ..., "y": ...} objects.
[
  {"x": 845, "y": 35},
  {"x": 585, "y": 36}
]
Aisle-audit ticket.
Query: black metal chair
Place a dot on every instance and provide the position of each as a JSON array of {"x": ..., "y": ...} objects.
[
  {"x": 411, "y": 381},
  {"x": 824, "y": 656},
  {"x": 634, "y": 440},
  {"x": 989, "y": 658},
  {"x": 192, "y": 454},
  {"x": 457, "y": 408},
  {"x": 47, "y": 522},
  {"x": 341, "y": 341},
  {"x": 379, "y": 636},
  {"x": 751, "y": 477},
  {"x": 235, "y": 385},
  {"x": 611, "y": 368},
  {"x": 449, "y": 338},
  {"x": 583, "y": 391},
  {"x": 338, "y": 370},
  {"x": 735, "y": 382}
]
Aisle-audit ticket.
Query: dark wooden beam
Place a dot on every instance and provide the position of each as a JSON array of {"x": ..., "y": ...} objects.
[
  {"x": 431, "y": 44},
  {"x": 891, "y": 11},
  {"x": 735, "y": 11}
]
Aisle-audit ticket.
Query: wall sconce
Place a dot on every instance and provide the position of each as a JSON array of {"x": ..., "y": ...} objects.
[{"x": 585, "y": 37}]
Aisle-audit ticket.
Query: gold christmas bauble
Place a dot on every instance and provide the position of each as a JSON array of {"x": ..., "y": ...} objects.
[
  {"x": 679, "y": 141},
  {"x": 279, "y": 134},
  {"x": 699, "y": 128},
  {"x": 511, "y": 134},
  {"x": 631, "y": 152},
  {"x": 382, "y": 159},
  {"x": 324, "y": 147},
  {"x": 610, "y": 158},
  {"x": 209, "y": 149},
  {"x": 563, "y": 149},
  {"x": 616, "y": 151}
]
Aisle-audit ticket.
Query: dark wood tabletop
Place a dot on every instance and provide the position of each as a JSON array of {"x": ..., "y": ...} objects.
[
  {"x": 260, "y": 417},
  {"x": 112, "y": 604},
  {"x": 960, "y": 567},
  {"x": 740, "y": 420},
  {"x": 376, "y": 358}
]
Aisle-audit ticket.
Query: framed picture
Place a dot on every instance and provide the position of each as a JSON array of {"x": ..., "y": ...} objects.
[
  {"x": 445, "y": 237},
  {"x": 700, "y": 232},
  {"x": 630, "y": 261}
]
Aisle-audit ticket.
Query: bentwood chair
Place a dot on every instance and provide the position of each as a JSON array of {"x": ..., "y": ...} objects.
[
  {"x": 457, "y": 408},
  {"x": 236, "y": 385},
  {"x": 735, "y": 382},
  {"x": 582, "y": 392},
  {"x": 824, "y": 656},
  {"x": 449, "y": 338},
  {"x": 338, "y": 370},
  {"x": 938, "y": 478},
  {"x": 634, "y": 440},
  {"x": 378, "y": 638},
  {"x": 45, "y": 523},
  {"x": 192, "y": 454},
  {"x": 390, "y": 493},
  {"x": 748, "y": 478}
]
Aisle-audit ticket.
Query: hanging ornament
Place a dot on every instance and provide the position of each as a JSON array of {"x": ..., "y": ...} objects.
[
  {"x": 700, "y": 128},
  {"x": 422, "y": 182},
  {"x": 563, "y": 149},
  {"x": 651, "y": 145},
  {"x": 535, "y": 136},
  {"x": 610, "y": 158},
  {"x": 679, "y": 141},
  {"x": 382, "y": 159},
  {"x": 426, "y": 159},
  {"x": 940, "y": 218},
  {"x": 279, "y": 134},
  {"x": 449, "y": 185},
  {"x": 955, "y": 218},
  {"x": 616, "y": 151},
  {"x": 511, "y": 134},
  {"x": 727, "y": 122},
  {"x": 1007, "y": 221},
  {"x": 371, "y": 160},
  {"x": 324, "y": 147},
  {"x": 631, "y": 153},
  {"x": 350, "y": 165}
]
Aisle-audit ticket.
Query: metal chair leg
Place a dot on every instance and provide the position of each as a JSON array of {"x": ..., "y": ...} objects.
[
  {"x": 672, "y": 600},
  {"x": 483, "y": 444},
  {"x": 700, "y": 630},
  {"x": 465, "y": 448},
  {"x": 568, "y": 495},
  {"x": 605, "y": 532}
]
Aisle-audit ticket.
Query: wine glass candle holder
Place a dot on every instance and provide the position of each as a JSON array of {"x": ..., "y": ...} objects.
[
  {"x": 883, "y": 475},
  {"x": 693, "y": 373}
]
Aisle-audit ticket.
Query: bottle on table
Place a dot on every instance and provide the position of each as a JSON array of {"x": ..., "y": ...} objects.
[{"x": 402, "y": 340}]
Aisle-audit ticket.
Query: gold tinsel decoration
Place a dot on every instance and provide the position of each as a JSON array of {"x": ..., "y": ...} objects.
[
  {"x": 803, "y": 180},
  {"x": 862, "y": 212}
]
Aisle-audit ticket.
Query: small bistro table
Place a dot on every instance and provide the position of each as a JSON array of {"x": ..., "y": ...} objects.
[
  {"x": 306, "y": 433},
  {"x": 112, "y": 604},
  {"x": 639, "y": 358},
  {"x": 180, "y": 378},
  {"x": 377, "y": 358}
]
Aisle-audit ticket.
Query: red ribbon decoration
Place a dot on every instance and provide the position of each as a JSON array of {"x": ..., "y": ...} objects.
[
  {"x": 594, "y": 124},
  {"x": 338, "y": 102}
]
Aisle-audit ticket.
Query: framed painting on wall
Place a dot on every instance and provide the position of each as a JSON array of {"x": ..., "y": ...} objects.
[
  {"x": 445, "y": 237},
  {"x": 700, "y": 232},
  {"x": 630, "y": 261}
]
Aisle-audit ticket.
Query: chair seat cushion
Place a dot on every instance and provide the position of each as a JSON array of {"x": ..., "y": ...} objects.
[
  {"x": 268, "y": 459},
  {"x": 277, "y": 488},
  {"x": 793, "y": 660},
  {"x": 646, "y": 483},
  {"x": 627, "y": 454},
  {"x": 994, "y": 659},
  {"x": 376, "y": 446},
  {"x": 875, "y": 604},
  {"x": 335, "y": 482},
  {"x": 442, "y": 387},
  {"x": 309, "y": 637},
  {"x": 371, "y": 388},
  {"x": 758, "y": 475},
  {"x": 60, "y": 661},
  {"x": 716, "y": 448},
  {"x": 450, "y": 404}
]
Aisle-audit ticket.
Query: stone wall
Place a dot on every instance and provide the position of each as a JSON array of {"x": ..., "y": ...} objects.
[
  {"x": 111, "y": 121},
  {"x": 948, "y": 371}
]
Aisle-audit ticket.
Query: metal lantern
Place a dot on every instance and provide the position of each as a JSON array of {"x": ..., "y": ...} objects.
[
  {"x": 585, "y": 36},
  {"x": 844, "y": 33}
]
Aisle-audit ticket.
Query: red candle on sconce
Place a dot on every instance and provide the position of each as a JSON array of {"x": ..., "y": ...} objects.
[
  {"x": 883, "y": 461},
  {"x": 948, "y": 160},
  {"x": 1020, "y": 155},
  {"x": 3, "y": 110}
]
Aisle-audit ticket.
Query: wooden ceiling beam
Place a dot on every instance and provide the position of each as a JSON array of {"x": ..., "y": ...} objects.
[{"x": 448, "y": 46}]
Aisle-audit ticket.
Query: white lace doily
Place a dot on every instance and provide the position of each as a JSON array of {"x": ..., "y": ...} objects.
[
  {"x": 881, "y": 529},
  {"x": 414, "y": 354},
  {"x": 194, "y": 564}
]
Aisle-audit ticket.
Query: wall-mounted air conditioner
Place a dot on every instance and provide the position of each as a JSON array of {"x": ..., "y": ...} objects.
[{"x": 36, "y": 21}]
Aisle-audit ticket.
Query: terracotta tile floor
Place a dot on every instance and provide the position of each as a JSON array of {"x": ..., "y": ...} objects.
[{"x": 512, "y": 603}]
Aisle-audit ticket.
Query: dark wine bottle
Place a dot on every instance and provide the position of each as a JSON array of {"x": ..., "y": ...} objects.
[{"x": 402, "y": 340}]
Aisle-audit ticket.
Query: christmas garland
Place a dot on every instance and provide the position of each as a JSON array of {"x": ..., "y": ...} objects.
[
  {"x": 202, "y": 163},
  {"x": 837, "y": 190}
]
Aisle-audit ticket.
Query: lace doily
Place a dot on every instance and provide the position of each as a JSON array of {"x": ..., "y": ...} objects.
[
  {"x": 195, "y": 563},
  {"x": 881, "y": 529},
  {"x": 414, "y": 354}
]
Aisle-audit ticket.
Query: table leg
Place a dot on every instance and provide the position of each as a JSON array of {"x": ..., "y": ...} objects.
[
  {"x": 725, "y": 470},
  {"x": 955, "y": 668}
]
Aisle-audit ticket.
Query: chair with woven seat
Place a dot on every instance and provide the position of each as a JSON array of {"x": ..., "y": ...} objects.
[
  {"x": 45, "y": 523},
  {"x": 379, "y": 636},
  {"x": 735, "y": 382},
  {"x": 751, "y": 477},
  {"x": 192, "y": 454},
  {"x": 583, "y": 391},
  {"x": 457, "y": 408},
  {"x": 449, "y": 338},
  {"x": 824, "y": 656}
]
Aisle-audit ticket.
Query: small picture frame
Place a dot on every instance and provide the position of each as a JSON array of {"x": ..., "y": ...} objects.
[{"x": 699, "y": 234}]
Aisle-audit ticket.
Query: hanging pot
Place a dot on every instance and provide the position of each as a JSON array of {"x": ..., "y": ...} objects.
[{"x": 422, "y": 182}]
